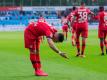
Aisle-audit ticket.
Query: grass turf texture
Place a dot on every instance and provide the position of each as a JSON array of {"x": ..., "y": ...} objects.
[{"x": 15, "y": 63}]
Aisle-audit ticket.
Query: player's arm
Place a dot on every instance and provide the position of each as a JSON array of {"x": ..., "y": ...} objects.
[
  {"x": 70, "y": 20},
  {"x": 91, "y": 13},
  {"x": 54, "y": 48}
]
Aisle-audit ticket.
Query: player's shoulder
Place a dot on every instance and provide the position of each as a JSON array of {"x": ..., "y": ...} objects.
[
  {"x": 105, "y": 13},
  {"x": 81, "y": 8},
  {"x": 45, "y": 24},
  {"x": 101, "y": 13},
  {"x": 31, "y": 23}
]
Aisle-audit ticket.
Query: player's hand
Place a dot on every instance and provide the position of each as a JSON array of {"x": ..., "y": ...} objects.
[{"x": 63, "y": 55}]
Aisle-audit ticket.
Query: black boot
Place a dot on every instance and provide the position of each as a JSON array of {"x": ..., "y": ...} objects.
[{"x": 102, "y": 54}]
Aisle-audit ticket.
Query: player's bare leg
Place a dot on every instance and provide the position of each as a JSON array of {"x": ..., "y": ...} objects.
[
  {"x": 41, "y": 38},
  {"x": 102, "y": 45},
  {"x": 78, "y": 47},
  {"x": 66, "y": 34},
  {"x": 83, "y": 47},
  {"x": 73, "y": 38}
]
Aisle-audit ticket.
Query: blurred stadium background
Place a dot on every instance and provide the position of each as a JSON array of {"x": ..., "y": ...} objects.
[
  {"x": 16, "y": 14},
  {"x": 14, "y": 58}
]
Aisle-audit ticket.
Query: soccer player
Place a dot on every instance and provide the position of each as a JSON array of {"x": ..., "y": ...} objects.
[
  {"x": 102, "y": 29},
  {"x": 81, "y": 15},
  {"x": 73, "y": 25},
  {"x": 64, "y": 26},
  {"x": 32, "y": 36},
  {"x": 65, "y": 30},
  {"x": 41, "y": 19}
]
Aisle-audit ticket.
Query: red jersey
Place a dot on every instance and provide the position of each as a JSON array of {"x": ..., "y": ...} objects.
[
  {"x": 82, "y": 16},
  {"x": 41, "y": 29},
  {"x": 102, "y": 17},
  {"x": 71, "y": 16}
]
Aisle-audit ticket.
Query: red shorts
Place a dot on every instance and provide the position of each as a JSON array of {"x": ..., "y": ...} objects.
[
  {"x": 102, "y": 33},
  {"x": 81, "y": 31},
  {"x": 74, "y": 27},
  {"x": 31, "y": 42},
  {"x": 65, "y": 30}
]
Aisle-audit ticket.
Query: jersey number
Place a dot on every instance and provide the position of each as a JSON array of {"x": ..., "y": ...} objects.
[{"x": 82, "y": 17}]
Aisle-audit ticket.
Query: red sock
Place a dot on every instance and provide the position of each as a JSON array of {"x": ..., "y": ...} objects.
[
  {"x": 35, "y": 61},
  {"x": 83, "y": 47},
  {"x": 38, "y": 61},
  {"x": 102, "y": 46},
  {"x": 78, "y": 45}
]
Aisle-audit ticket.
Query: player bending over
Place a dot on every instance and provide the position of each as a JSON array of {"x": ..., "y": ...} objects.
[
  {"x": 102, "y": 29},
  {"x": 32, "y": 36},
  {"x": 81, "y": 15}
]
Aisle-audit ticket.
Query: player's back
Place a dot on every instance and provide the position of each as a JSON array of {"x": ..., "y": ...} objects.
[
  {"x": 82, "y": 14},
  {"x": 39, "y": 28},
  {"x": 71, "y": 16}
]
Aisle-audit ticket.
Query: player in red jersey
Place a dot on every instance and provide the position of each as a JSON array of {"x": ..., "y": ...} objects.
[
  {"x": 81, "y": 15},
  {"x": 64, "y": 26},
  {"x": 32, "y": 36},
  {"x": 65, "y": 30},
  {"x": 102, "y": 29},
  {"x": 72, "y": 25}
]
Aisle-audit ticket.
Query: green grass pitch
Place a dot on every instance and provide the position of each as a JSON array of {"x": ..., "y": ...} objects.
[{"x": 15, "y": 63}]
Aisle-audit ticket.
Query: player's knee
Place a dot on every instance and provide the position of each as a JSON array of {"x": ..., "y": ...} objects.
[
  {"x": 37, "y": 51},
  {"x": 83, "y": 44}
]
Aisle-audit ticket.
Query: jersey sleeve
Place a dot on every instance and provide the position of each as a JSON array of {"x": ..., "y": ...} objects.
[
  {"x": 97, "y": 17},
  {"x": 90, "y": 12},
  {"x": 70, "y": 17}
]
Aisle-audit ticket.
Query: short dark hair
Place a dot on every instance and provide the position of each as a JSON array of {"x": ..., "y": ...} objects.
[
  {"x": 101, "y": 8},
  {"x": 60, "y": 37},
  {"x": 41, "y": 15},
  {"x": 74, "y": 8}
]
